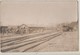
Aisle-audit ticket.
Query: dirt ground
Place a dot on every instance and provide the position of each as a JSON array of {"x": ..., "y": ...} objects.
[{"x": 68, "y": 41}]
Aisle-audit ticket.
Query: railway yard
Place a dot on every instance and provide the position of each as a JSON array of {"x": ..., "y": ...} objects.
[
  {"x": 39, "y": 26},
  {"x": 41, "y": 42}
]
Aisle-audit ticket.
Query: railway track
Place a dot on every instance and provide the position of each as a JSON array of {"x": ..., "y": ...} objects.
[
  {"x": 25, "y": 44},
  {"x": 13, "y": 38},
  {"x": 21, "y": 39}
]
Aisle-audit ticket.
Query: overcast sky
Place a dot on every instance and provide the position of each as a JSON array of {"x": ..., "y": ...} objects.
[{"x": 16, "y": 12}]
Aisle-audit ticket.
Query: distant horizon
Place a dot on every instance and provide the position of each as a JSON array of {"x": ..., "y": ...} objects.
[{"x": 34, "y": 25}]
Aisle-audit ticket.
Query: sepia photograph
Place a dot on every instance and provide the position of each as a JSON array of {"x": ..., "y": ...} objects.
[{"x": 39, "y": 26}]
